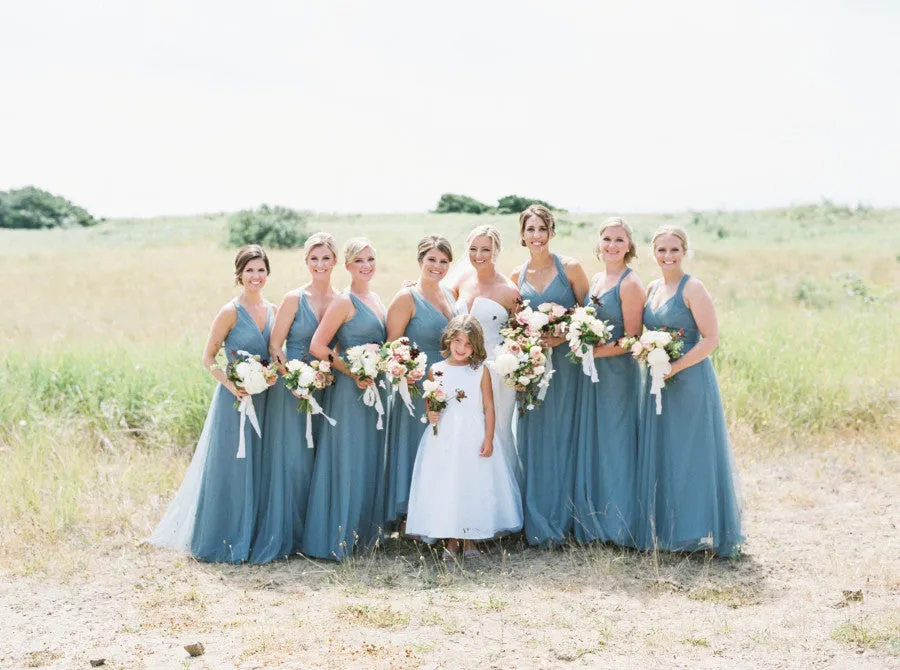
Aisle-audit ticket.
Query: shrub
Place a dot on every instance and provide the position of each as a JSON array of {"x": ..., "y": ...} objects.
[
  {"x": 463, "y": 204},
  {"x": 34, "y": 208},
  {"x": 515, "y": 204},
  {"x": 273, "y": 227}
]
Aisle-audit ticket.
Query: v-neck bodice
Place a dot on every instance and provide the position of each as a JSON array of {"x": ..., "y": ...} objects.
[
  {"x": 246, "y": 335},
  {"x": 364, "y": 327},
  {"x": 608, "y": 306},
  {"x": 302, "y": 329},
  {"x": 559, "y": 290},
  {"x": 426, "y": 326},
  {"x": 673, "y": 314}
]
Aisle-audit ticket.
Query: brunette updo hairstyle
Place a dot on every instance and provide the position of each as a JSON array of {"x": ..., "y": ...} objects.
[
  {"x": 631, "y": 254},
  {"x": 540, "y": 212},
  {"x": 430, "y": 242},
  {"x": 249, "y": 253},
  {"x": 671, "y": 230},
  {"x": 467, "y": 324}
]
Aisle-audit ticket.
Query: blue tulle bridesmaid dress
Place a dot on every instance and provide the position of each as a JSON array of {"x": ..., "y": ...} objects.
[
  {"x": 346, "y": 507},
  {"x": 545, "y": 435},
  {"x": 689, "y": 498},
  {"x": 287, "y": 468},
  {"x": 213, "y": 516},
  {"x": 404, "y": 432},
  {"x": 606, "y": 444}
]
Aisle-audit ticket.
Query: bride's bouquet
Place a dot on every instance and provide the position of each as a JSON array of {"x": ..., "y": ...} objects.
[
  {"x": 405, "y": 364},
  {"x": 583, "y": 332},
  {"x": 656, "y": 349},
  {"x": 522, "y": 363},
  {"x": 303, "y": 379},
  {"x": 253, "y": 375},
  {"x": 366, "y": 361}
]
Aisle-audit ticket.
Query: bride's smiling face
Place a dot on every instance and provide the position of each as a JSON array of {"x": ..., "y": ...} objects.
[{"x": 481, "y": 252}]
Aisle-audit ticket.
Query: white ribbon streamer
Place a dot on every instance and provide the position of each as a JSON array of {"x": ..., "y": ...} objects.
[
  {"x": 588, "y": 366},
  {"x": 657, "y": 382},
  {"x": 372, "y": 398},
  {"x": 314, "y": 408},
  {"x": 544, "y": 384},
  {"x": 403, "y": 389},
  {"x": 247, "y": 411}
]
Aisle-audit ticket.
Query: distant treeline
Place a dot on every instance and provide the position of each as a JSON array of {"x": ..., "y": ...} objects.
[
  {"x": 34, "y": 208},
  {"x": 463, "y": 204}
]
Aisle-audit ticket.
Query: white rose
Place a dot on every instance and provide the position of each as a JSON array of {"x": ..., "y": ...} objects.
[
  {"x": 293, "y": 365},
  {"x": 539, "y": 370},
  {"x": 523, "y": 380},
  {"x": 430, "y": 385},
  {"x": 657, "y": 357},
  {"x": 598, "y": 328},
  {"x": 506, "y": 363},
  {"x": 243, "y": 370},
  {"x": 307, "y": 377},
  {"x": 538, "y": 320}
]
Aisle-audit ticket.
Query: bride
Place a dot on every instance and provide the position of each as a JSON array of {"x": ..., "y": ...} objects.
[{"x": 489, "y": 296}]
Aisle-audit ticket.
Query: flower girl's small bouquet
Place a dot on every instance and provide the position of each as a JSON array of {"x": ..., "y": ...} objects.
[
  {"x": 366, "y": 361},
  {"x": 405, "y": 365},
  {"x": 656, "y": 349},
  {"x": 435, "y": 398},
  {"x": 522, "y": 363},
  {"x": 253, "y": 375},
  {"x": 583, "y": 333},
  {"x": 304, "y": 379}
]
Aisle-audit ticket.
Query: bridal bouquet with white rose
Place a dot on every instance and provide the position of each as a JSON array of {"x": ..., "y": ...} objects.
[
  {"x": 366, "y": 362},
  {"x": 583, "y": 332},
  {"x": 522, "y": 363},
  {"x": 656, "y": 349},
  {"x": 405, "y": 365},
  {"x": 254, "y": 375},
  {"x": 303, "y": 380}
]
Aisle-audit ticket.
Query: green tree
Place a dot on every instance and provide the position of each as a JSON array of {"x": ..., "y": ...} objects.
[
  {"x": 31, "y": 207},
  {"x": 463, "y": 204},
  {"x": 514, "y": 204},
  {"x": 273, "y": 227}
]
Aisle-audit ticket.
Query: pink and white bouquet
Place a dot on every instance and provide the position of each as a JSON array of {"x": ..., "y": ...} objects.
[
  {"x": 548, "y": 319},
  {"x": 583, "y": 333},
  {"x": 303, "y": 380},
  {"x": 366, "y": 361},
  {"x": 435, "y": 398},
  {"x": 405, "y": 364},
  {"x": 522, "y": 363},
  {"x": 253, "y": 375},
  {"x": 656, "y": 349}
]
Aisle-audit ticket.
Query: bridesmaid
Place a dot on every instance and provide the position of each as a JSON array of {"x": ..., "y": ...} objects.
[
  {"x": 419, "y": 312},
  {"x": 344, "y": 507},
  {"x": 213, "y": 514},
  {"x": 546, "y": 434},
  {"x": 287, "y": 470},
  {"x": 687, "y": 482},
  {"x": 606, "y": 445}
]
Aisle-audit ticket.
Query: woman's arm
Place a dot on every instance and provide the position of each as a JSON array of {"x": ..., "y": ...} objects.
[
  {"x": 699, "y": 301},
  {"x": 283, "y": 320},
  {"x": 487, "y": 400},
  {"x": 577, "y": 279},
  {"x": 221, "y": 326},
  {"x": 399, "y": 313},
  {"x": 338, "y": 313}
]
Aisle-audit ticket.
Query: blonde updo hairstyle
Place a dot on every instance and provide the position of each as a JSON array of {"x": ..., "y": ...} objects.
[
  {"x": 671, "y": 230},
  {"x": 430, "y": 242},
  {"x": 540, "y": 212},
  {"x": 612, "y": 221},
  {"x": 486, "y": 230},
  {"x": 354, "y": 246},
  {"x": 468, "y": 325},
  {"x": 320, "y": 240},
  {"x": 246, "y": 254}
]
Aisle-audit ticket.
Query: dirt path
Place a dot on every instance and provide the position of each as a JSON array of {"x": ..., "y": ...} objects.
[{"x": 818, "y": 525}]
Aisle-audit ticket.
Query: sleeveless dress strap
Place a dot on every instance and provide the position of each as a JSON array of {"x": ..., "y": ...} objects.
[
  {"x": 522, "y": 274},
  {"x": 680, "y": 290},
  {"x": 622, "y": 276},
  {"x": 560, "y": 268}
]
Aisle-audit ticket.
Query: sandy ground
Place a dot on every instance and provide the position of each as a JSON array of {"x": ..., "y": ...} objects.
[{"x": 818, "y": 587}]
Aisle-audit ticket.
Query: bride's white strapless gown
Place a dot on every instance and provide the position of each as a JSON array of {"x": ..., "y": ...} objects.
[{"x": 493, "y": 316}]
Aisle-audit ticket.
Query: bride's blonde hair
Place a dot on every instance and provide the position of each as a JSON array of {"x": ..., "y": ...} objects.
[{"x": 467, "y": 325}]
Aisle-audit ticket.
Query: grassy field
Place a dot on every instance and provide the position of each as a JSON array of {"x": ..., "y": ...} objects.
[{"x": 102, "y": 396}]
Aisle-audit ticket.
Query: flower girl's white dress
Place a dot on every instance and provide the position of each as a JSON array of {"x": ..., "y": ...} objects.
[{"x": 455, "y": 492}]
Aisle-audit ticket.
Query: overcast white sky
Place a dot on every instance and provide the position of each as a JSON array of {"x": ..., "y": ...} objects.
[{"x": 179, "y": 106}]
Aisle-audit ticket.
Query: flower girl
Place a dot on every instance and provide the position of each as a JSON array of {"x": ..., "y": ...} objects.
[{"x": 458, "y": 491}]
